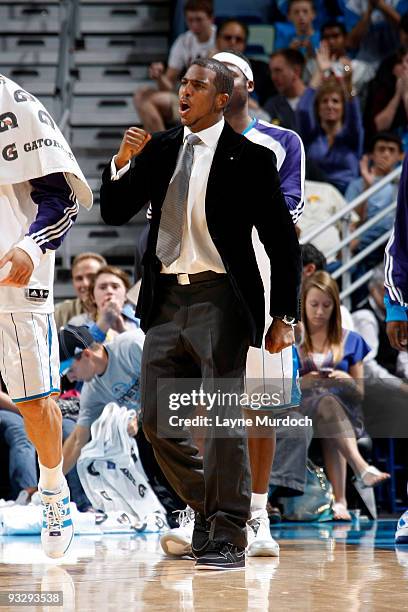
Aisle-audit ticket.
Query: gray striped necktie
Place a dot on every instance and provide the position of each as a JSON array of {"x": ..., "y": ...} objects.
[{"x": 174, "y": 206}]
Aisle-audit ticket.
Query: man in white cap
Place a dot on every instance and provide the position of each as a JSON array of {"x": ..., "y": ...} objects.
[{"x": 277, "y": 370}]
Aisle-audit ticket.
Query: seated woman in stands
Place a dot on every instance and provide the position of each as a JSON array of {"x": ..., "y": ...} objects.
[
  {"x": 332, "y": 387},
  {"x": 329, "y": 121},
  {"x": 108, "y": 312}
]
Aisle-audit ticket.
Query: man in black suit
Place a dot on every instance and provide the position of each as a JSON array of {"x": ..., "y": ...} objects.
[{"x": 201, "y": 302}]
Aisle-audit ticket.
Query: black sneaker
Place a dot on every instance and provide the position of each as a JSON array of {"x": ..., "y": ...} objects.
[
  {"x": 221, "y": 556},
  {"x": 201, "y": 534}
]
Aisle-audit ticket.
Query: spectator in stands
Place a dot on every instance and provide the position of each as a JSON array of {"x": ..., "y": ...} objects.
[
  {"x": 22, "y": 456},
  {"x": 330, "y": 124},
  {"x": 158, "y": 107},
  {"x": 373, "y": 27},
  {"x": 382, "y": 88},
  {"x": 394, "y": 113},
  {"x": 299, "y": 33},
  {"x": 314, "y": 261},
  {"x": 322, "y": 202},
  {"x": 232, "y": 35},
  {"x": 286, "y": 67},
  {"x": 332, "y": 386},
  {"x": 23, "y": 459},
  {"x": 385, "y": 155},
  {"x": 111, "y": 373},
  {"x": 388, "y": 63},
  {"x": 385, "y": 367},
  {"x": 334, "y": 43},
  {"x": 108, "y": 312},
  {"x": 383, "y": 364},
  {"x": 84, "y": 267},
  {"x": 101, "y": 367},
  {"x": 324, "y": 10}
]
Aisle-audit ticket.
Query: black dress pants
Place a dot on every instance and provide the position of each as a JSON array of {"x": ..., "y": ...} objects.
[{"x": 201, "y": 334}]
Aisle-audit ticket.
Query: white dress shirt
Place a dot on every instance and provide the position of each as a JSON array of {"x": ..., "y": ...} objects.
[{"x": 198, "y": 252}]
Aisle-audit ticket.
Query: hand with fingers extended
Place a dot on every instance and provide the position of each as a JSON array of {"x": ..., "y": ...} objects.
[
  {"x": 21, "y": 268},
  {"x": 134, "y": 141}
]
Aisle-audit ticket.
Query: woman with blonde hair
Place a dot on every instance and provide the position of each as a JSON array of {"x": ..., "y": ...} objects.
[
  {"x": 108, "y": 311},
  {"x": 333, "y": 387}
]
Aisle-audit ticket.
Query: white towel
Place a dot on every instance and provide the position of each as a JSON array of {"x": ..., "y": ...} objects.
[{"x": 31, "y": 144}]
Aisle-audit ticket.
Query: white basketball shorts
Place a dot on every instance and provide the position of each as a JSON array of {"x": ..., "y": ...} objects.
[
  {"x": 29, "y": 355},
  {"x": 273, "y": 375}
]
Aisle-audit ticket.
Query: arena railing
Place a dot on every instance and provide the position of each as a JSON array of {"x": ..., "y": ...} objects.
[
  {"x": 347, "y": 260},
  {"x": 69, "y": 18}
]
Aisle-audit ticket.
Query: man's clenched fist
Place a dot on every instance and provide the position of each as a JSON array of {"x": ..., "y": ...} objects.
[
  {"x": 279, "y": 336},
  {"x": 133, "y": 143}
]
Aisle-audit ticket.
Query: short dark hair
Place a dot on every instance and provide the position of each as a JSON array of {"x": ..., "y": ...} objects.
[
  {"x": 312, "y": 255},
  {"x": 293, "y": 2},
  {"x": 224, "y": 80},
  {"x": 199, "y": 5},
  {"x": 293, "y": 57},
  {"x": 224, "y": 24},
  {"x": 332, "y": 23},
  {"x": 386, "y": 137}
]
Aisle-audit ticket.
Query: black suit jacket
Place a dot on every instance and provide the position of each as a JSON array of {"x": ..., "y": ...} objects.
[{"x": 243, "y": 191}]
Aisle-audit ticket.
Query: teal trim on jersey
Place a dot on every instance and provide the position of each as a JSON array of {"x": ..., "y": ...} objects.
[
  {"x": 33, "y": 397},
  {"x": 296, "y": 392},
  {"x": 395, "y": 312},
  {"x": 250, "y": 126},
  {"x": 49, "y": 348}
]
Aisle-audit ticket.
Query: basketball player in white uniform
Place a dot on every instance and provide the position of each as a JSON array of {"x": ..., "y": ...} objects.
[{"x": 40, "y": 185}]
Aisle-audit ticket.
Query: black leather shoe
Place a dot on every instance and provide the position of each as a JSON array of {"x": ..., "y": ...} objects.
[
  {"x": 201, "y": 534},
  {"x": 221, "y": 556}
]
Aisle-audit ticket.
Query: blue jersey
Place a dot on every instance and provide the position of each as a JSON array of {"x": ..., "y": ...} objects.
[
  {"x": 396, "y": 256},
  {"x": 290, "y": 156}
]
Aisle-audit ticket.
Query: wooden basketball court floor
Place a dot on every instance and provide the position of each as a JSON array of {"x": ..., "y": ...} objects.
[{"x": 323, "y": 567}]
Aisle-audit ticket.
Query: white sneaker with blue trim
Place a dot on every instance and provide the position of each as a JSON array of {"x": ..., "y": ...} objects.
[
  {"x": 57, "y": 528},
  {"x": 401, "y": 535}
]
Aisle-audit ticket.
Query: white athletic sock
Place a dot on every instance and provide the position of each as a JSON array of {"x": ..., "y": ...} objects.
[
  {"x": 258, "y": 501},
  {"x": 51, "y": 479}
]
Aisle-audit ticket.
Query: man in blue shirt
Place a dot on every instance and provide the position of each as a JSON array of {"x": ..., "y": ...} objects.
[
  {"x": 396, "y": 294},
  {"x": 386, "y": 154}
]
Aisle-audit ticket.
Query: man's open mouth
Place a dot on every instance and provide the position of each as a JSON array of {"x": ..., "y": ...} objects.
[{"x": 184, "y": 106}]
